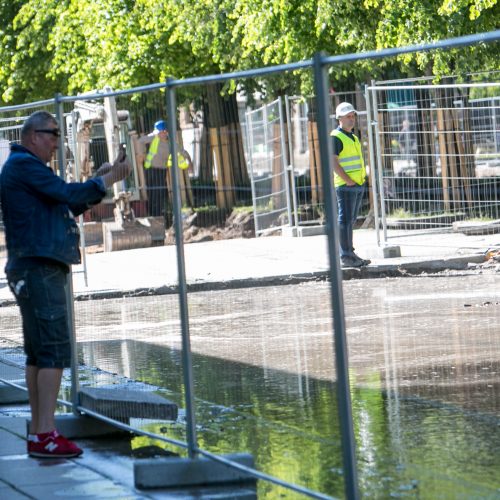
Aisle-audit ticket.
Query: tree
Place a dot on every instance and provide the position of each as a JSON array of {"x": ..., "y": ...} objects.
[
  {"x": 71, "y": 45},
  {"x": 24, "y": 54},
  {"x": 414, "y": 22}
]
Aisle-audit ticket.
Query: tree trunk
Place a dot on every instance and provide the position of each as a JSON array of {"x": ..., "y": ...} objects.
[
  {"x": 205, "y": 175},
  {"x": 426, "y": 165},
  {"x": 314, "y": 155},
  {"x": 455, "y": 146},
  {"x": 226, "y": 146},
  {"x": 314, "y": 163}
]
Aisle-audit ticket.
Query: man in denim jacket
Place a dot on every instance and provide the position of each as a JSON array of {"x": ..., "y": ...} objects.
[{"x": 42, "y": 242}]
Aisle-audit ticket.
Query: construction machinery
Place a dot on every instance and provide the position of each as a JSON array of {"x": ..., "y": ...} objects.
[{"x": 96, "y": 131}]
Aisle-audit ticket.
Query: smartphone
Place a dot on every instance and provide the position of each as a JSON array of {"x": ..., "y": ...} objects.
[{"x": 122, "y": 152}]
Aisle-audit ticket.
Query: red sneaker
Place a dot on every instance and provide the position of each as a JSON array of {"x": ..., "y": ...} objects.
[
  {"x": 30, "y": 445},
  {"x": 53, "y": 445}
]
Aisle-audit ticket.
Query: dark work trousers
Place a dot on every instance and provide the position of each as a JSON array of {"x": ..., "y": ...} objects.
[
  {"x": 156, "y": 187},
  {"x": 349, "y": 200}
]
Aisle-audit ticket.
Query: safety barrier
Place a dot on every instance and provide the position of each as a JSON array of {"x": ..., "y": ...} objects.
[
  {"x": 171, "y": 319},
  {"x": 438, "y": 154}
]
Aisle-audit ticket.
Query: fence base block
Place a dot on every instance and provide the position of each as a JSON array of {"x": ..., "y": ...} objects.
[
  {"x": 8, "y": 393},
  {"x": 12, "y": 395},
  {"x": 302, "y": 231},
  {"x": 178, "y": 472},
  {"x": 82, "y": 426},
  {"x": 390, "y": 252},
  {"x": 123, "y": 404}
]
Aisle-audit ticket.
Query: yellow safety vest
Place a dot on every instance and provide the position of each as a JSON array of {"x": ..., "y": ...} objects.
[
  {"x": 153, "y": 150},
  {"x": 350, "y": 159}
]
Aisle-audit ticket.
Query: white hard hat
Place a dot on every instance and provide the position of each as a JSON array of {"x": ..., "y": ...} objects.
[{"x": 344, "y": 108}]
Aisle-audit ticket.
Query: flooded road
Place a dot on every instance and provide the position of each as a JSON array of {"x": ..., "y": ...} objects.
[{"x": 424, "y": 372}]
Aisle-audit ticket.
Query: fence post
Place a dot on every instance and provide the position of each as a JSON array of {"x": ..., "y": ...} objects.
[
  {"x": 61, "y": 159},
  {"x": 380, "y": 164},
  {"x": 249, "y": 132},
  {"x": 187, "y": 364},
  {"x": 284, "y": 162},
  {"x": 370, "y": 122},
  {"x": 337, "y": 298},
  {"x": 290, "y": 162}
]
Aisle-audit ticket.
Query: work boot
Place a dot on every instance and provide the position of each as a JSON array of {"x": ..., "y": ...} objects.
[
  {"x": 350, "y": 261},
  {"x": 364, "y": 262}
]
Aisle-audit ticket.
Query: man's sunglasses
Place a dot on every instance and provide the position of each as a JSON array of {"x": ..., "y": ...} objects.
[{"x": 54, "y": 131}]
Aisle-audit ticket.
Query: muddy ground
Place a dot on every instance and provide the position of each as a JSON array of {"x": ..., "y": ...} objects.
[{"x": 198, "y": 229}]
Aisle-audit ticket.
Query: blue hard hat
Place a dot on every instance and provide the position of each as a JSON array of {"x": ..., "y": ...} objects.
[{"x": 160, "y": 125}]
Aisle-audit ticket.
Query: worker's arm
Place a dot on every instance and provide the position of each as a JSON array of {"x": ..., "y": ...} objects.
[
  {"x": 340, "y": 171},
  {"x": 141, "y": 143}
]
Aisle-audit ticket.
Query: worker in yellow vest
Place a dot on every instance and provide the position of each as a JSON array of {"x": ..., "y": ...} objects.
[
  {"x": 349, "y": 174},
  {"x": 157, "y": 160}
]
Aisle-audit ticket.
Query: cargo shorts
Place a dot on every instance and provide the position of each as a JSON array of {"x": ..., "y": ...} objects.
[{"x": 40, "y": 293}]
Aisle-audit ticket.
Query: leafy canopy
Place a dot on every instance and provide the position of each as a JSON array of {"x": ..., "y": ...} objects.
[{"x": 70, "y": 46}]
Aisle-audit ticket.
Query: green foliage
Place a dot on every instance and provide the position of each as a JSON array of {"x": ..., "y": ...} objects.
[
  {"x": 24, "y": 54},
  {"x": 243, "y": 209},
  {"x": 400, "y": 213},
  {"x": 70, "y": 46}
]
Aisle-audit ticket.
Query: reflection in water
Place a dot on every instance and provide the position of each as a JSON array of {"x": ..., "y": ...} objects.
[{"x": 424, "y": 367}]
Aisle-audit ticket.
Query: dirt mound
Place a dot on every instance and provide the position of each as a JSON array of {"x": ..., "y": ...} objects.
[{"x": 197, "y": 228}]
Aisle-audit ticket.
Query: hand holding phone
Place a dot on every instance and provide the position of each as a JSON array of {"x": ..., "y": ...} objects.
[
  {"x": 120, "y": 170},
  {"x": 122, "y": 152}
]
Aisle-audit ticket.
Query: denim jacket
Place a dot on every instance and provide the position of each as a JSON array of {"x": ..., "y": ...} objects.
[{"x": 39, "y": 208}]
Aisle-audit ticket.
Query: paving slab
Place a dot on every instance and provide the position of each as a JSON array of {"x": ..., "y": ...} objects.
[
  {"x": 269, "y": 260},
  {"x": 38, "y": 472},
  {"x": 11, "y": 445},
  {"x": 10, "y": 493},
  {"x": 15, "y": 375},
  {"x": 79, "y": 490},
  {"x": 15, "y": 426}
]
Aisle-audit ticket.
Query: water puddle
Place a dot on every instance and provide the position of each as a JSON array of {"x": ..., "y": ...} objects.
[{"x": 424, "y": 372}]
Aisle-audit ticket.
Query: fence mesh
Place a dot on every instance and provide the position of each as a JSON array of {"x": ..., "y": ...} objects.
[
  {"x": 268, "y": 165},
  {"x": 263, "y": 366},
  {"x": 438, "y": 153}
]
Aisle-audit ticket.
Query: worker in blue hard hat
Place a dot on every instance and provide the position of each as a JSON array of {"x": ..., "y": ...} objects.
[
  {"x": 156, "y": 164},
  {"x": 161, "y": 125}
]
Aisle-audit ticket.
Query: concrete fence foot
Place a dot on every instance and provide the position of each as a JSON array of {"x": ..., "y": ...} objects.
[
  {"x": 12, "y": 395},
  {"x": 390, "y": 252},
  {"x": 175, "y": 472}
]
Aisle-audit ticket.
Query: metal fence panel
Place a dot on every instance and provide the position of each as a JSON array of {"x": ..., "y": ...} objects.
[
  {"x": 124, "y": 327},
  {"x": 438, "y": 154},
  {"x": 268, "y": 167},
  {"x": 298, "y": 137}
]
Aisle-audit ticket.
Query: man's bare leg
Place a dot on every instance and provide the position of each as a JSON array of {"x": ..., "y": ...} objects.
[
  {"x": 43, "y": 387},
  {"x": 32, "y": 385},
  {"x": 49, "y": 382}
]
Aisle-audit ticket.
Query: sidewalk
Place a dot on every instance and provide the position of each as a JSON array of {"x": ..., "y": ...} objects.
[
  {"x": 247, "y": 262},
  {"x": 102, "y": 472},
  {"x": 22, "y": 477}
]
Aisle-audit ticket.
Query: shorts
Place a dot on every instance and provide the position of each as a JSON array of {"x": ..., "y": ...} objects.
[{"x": 41, "y": 295}]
